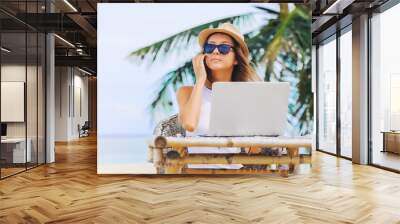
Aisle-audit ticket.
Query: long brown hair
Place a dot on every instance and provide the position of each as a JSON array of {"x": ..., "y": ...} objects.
[{"x": 242, "y": 71}]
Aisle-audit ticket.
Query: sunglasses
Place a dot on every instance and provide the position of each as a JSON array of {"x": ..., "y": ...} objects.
[{"x": 222, "y": 48}]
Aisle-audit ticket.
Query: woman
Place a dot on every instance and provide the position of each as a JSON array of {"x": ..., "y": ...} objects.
[{"x": 224, "y": 58}]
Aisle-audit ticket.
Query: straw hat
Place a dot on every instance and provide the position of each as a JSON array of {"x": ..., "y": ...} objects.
[{"x": 228, "y": 29}]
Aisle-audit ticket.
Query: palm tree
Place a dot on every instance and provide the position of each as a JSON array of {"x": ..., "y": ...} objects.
[
  {"x": 287, "y": 42},
  {"x": 282, "y": 44}
]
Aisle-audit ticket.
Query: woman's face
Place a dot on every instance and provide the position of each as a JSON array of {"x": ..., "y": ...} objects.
[{"x": 216, "y": 60}]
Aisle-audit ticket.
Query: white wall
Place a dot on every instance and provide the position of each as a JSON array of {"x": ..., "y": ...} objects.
[
  {"x": 12, "y": 73},
  {"x": 70, "y": 84},
  {"x": 80, "y": 84},
  {"x": 9, "y": 73},
  {"x": 33, "y": 126},
  {"x": 62, "y": 81}
]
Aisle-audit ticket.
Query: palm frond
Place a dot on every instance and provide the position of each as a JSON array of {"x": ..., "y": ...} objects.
[
  {"x": 183, "y": 39},
  {"x": 267, "y": 10},
  {"x": 173, "y": 79}
]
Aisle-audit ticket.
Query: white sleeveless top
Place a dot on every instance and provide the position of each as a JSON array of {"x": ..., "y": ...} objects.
[{"x": 202, "y": 128}]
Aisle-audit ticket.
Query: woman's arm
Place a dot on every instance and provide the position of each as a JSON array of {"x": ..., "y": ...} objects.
[{"x": 189, "y": 98}]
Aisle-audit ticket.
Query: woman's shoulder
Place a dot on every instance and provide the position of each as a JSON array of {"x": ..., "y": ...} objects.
[{"x": 184, "y": 90}]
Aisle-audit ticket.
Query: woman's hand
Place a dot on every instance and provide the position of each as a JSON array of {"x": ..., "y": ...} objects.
[{"x": 199, "y": 68}]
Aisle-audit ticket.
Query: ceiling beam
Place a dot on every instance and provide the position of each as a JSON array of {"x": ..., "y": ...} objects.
[
  {"x": 337, "y": 7},
  {"x": 85, "y": 25},
  {"x": 83, "y": 61}
]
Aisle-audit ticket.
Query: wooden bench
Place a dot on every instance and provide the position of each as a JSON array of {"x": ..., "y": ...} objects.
[{"x": 170, "y": 155}]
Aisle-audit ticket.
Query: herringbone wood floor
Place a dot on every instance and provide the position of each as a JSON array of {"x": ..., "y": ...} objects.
[{"x": 70, "y": 191}]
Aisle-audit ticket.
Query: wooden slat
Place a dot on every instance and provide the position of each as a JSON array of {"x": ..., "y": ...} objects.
[
  {"x": 222, "y": 171},
  {"x": 237, "y": 159},
  {"x": 177, "y": 142}
]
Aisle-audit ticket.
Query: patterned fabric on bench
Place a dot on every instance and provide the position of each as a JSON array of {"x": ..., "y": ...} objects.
[{"x": 169, "y": 127}]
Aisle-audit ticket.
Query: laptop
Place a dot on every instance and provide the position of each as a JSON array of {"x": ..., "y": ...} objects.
[{"x": 248, "y": 109}]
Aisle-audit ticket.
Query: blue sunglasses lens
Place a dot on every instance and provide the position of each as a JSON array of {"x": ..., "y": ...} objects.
[
  {"x": 209, "y": 48},
  {"x": 222, "y": 48}
]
